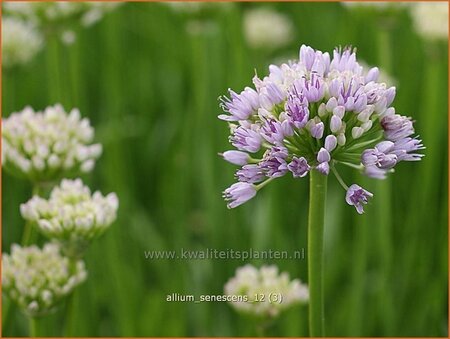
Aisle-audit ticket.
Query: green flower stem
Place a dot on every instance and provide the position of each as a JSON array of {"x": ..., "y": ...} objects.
[
  {"x": 70, "y": 308},
  {"x": 28, "y": 232},
  {"x": 33, "y": 330},
  {"x": 339, "y": 178},
  {"x": 317, "y": 200}
]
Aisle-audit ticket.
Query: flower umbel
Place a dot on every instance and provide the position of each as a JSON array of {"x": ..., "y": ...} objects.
[
  {"x": 430, "y": 19},
  {"x": 21, "y": 41},
  {"x": 266, "y": 28},
  {"x": 37, "y": 279},
  {"x": 315, "y": 114},
  {"x": 251, "y": 282},
  {"x": 72, "y": 215},
  {"x": 45, "y": 146}
]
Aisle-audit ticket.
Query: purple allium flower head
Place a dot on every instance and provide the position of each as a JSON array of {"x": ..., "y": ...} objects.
[
  {"x": 317, "y": 114},
  {"x": 357, "y": 196},
  {"x": 250, "y": 173},
  {"x": 236, "y": 157},
  {"x": 240, "y": 106},
  {"x": 299, "y": 167},
  {"x": 239, "y": 193}
]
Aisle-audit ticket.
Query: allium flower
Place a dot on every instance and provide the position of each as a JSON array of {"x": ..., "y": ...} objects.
[
  {"x": 44, "y": 146},
  {"x": 38, "y": 279},
  {"x": 20, "y": 42},
  {"x": 72, "y": 215},
  {"x": 431, "y": 19},
  {"x": 266, "y": 28},
  {"x": 267, "y": 291},
  {"x": 314, "y": 114}
]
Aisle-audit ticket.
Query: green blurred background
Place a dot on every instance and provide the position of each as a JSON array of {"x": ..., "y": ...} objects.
[{"x": 150, "y": 87}]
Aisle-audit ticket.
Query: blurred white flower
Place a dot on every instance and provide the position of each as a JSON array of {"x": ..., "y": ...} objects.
[
  {"x": 44, "y": 146},
  {"x": 380, "y": 5},
  {"x": 37, "y": 279},
  {"x": 39, "y": 12},
  {"x": 266, "y": 28},
  {"x": 59, "y": 16},
  {"x": 47, "y": 12},
  {"x": 268, "y": 291},
  {"x": 431, "y": 19},
  {"x": 194, "y": 7},
  {"x": 96, "y": 10},
  {"x": 185, "y": 6},
  {"x": 72, "y": 215},
  {"x": 20, "y": 42},
  {"x": 68, "y": 37}
]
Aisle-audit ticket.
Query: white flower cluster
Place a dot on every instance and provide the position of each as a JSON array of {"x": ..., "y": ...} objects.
[
  {"x": 44, "y": 146},
  {"x": 44, "y": 12},
  {"x": 268, "y": 292},
  {"x": 60, "y": 17},
  {"x": 266, "y": 28},
  {"x": 20, "y": 42},
  {"x": 37, "y": 279},
  {"x": 431, "y": 19},
  {"x": 195, "y": 7},
  {"x": 380, "y": 5},
  {"x": 72, "y": 215}
]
